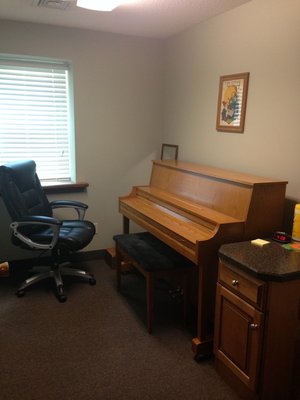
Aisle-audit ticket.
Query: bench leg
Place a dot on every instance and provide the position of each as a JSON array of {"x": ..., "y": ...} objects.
[
  {"x": 185, "y": 298},
  {"x": 150, "y": 303},
  {"x": 118, "y": 268}
]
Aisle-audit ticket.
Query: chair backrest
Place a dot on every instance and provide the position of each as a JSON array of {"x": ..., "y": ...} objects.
[{"x": 21, "y": 190}]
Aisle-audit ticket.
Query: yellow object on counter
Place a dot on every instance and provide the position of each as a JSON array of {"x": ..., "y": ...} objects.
[{"x": 296, "y": 224}]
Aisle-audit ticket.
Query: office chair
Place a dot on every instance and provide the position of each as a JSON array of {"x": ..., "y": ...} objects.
[{"x": 34, "y": 227}]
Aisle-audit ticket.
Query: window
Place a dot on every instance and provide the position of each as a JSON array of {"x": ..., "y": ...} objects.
[{"x": 36, "y": 115}]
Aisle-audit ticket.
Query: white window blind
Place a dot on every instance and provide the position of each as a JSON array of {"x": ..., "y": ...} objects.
[{"x": 36, "y": 115}]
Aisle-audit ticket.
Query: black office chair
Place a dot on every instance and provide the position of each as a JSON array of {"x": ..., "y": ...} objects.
[{"x": 35, "y": 228}]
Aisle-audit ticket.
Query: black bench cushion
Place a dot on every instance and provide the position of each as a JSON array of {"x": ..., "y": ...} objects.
[{"x": 150, "y": 253}]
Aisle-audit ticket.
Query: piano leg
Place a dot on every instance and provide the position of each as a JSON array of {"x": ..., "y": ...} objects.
[
  {"x": 202, "y": 350},
  {"x": 202, "y": 345},
  {"x": 125, "y": 225}
]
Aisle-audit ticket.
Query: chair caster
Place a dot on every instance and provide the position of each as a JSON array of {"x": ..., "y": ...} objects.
[
  {"x": 62, "y": 298},
  {"x": 60, "y": 294},
  {"x": 20, "y": 292},
  {"x": 92, "y": 281}
]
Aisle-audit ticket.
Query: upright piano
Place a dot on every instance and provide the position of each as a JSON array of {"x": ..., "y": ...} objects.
[{"x": 195, "y": 209}]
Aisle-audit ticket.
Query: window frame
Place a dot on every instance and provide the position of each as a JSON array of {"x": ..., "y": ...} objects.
[{"x": 40, "y": 62}]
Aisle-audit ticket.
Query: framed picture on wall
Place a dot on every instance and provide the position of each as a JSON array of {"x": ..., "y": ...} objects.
[{"x": 232, "y": 101}]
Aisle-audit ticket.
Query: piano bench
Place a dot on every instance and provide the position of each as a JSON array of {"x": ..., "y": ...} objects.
[{"x": 154, "y": 260}]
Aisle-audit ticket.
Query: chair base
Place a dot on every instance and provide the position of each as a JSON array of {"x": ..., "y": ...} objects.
[{"x": 56, "y": 274}]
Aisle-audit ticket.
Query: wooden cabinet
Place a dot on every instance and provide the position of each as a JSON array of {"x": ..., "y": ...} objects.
[
  {"x": 239, "y": 324},
  {"x": 256, "y": 324}
]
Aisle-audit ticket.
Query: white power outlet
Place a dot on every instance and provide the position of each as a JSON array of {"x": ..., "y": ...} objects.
[{"x": 96, "y": 227}]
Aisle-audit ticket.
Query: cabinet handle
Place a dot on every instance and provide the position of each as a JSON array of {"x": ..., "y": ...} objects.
[
  {"x": 253, "y": 327},
  {"x": 235, "y": 282}
]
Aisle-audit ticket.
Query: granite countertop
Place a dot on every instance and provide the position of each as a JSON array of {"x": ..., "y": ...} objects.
[{"x": 269, "y": 262}]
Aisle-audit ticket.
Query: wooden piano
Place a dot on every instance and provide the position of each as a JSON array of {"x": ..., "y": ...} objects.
[{"x": 194, "y": 209}]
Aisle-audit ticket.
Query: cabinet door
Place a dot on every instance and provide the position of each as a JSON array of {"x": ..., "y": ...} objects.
[{"x": 238, "y": 334}]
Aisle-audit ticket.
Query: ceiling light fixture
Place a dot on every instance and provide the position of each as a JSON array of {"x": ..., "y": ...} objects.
[{"x": 99, "y": 5}]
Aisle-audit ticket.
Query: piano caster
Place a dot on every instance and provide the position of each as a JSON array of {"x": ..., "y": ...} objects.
[{"x": 202, "y": 350}]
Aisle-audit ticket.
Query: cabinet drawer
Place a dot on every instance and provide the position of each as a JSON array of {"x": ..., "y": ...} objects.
[{"x": 244, "y": 285}]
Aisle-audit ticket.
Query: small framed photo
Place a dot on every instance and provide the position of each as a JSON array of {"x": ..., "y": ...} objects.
[
  {"x": 232, "y": 101},
  {"x": 169, "y": 151}
]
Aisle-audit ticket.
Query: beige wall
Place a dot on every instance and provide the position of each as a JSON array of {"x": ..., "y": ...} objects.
[
  {"x": 261, "y": 37},
  {"x": 118, "y": 114}
]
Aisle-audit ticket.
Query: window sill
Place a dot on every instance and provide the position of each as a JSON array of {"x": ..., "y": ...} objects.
[{"x": 64, "y": 187}]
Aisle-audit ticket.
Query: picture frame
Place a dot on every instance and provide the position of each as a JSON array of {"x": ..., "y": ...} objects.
[
  {"x": 232, "y": 102},
  {"x": 169, "y": 151}
]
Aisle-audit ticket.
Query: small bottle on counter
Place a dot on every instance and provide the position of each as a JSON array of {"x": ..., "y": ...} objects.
[{"x": 296, "y": 224}]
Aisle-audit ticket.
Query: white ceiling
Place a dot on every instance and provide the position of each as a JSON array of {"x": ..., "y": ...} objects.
[{"x": 149, "y": 18}]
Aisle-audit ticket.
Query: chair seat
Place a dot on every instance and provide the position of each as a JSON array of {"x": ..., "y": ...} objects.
[{"x": 74, "y": 234}]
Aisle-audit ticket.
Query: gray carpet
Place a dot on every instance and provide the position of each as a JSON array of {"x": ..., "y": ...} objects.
[{"x": 95, "y": 346}]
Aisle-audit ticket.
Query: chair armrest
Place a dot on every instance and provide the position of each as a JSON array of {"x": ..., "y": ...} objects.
[
  {"x": 39, "y": 219},
  {"x": 77, "y": 205},
  {"x": 53, "y": 223}
]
